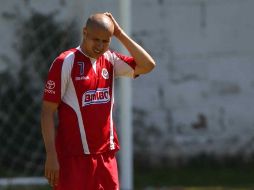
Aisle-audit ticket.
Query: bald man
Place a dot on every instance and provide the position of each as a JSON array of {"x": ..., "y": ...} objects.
[{"x": 80, "y": 151}]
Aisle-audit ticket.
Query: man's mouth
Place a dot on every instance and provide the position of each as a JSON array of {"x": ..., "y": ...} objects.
[{"x": 97, "y": 51}]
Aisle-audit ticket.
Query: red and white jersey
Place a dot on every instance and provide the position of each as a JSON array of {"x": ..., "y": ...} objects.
[{"x": 84, "y": 89}]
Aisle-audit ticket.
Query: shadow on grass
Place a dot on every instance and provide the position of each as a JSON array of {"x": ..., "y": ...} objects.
[{"x": 209, "y": 177}]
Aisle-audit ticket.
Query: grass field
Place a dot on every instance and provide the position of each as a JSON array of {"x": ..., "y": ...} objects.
[
  {"x": 239, "y": 177},
  {"x": 145, "y": 188},
  {"x": 188, "y": 178}
]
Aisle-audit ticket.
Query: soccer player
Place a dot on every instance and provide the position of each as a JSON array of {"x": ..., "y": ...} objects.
[{"x": 80, "y": 151}]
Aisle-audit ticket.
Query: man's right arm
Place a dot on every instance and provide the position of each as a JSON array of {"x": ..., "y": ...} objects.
[
  {"x": 48, "y": 133},
  {"x": 144, "y": 61}
]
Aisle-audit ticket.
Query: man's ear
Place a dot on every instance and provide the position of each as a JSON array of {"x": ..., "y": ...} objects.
[{"x": 84, "y": 31}]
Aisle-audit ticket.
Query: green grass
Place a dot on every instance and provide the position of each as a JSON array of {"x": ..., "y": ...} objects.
[
  {"x": 187, "y": 178},
  {"x": 211, "y": 188},
  {"x": 155, "y": 188},
  {"x": 239, "y": 177}
]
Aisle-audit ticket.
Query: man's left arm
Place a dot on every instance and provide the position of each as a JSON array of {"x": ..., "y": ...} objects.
[{"x": 144, "y": 62}]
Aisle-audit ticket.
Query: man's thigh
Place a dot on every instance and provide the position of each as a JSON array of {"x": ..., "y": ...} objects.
[{"x": 89, "y": 172}]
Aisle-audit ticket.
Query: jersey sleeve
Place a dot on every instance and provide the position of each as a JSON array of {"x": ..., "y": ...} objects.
[
  {"x": 124, "y": 65},
  {"x": 57, "y": 79}
]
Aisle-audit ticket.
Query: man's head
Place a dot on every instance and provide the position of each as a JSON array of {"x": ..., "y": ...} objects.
[{"x": 97, "y": 35}]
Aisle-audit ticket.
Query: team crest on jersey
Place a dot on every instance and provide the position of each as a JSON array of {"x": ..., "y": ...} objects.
[
  {"x": 104, "y": 73},
  {"x": 98, "y": 96}
]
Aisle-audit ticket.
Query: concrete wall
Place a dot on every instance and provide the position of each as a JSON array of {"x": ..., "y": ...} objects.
[
  {"x": 204, "y": 54},
  {"x": 200, "y": 96}
]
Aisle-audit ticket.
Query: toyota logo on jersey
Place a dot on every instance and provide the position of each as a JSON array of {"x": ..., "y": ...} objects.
[
  {"x": 50, "y": 85},
  {"x": 98, "y": 96}
]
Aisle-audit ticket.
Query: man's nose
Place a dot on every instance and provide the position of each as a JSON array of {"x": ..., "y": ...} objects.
[{"x": 100, "y": 45}]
